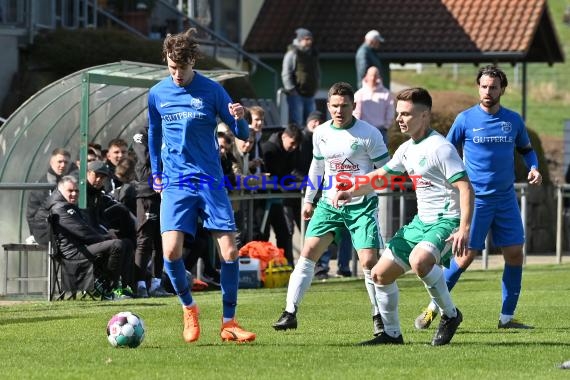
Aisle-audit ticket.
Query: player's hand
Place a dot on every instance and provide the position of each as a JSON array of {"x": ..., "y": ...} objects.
[
  {"x": 341, "y": 198},
  {"x": 236, "y": 110},
  {"x": 459, "y": 242},
  {"x": 308, "y": 209},
  {"x": 157, "y": 183},
  {"x": 534, "y": 177}
]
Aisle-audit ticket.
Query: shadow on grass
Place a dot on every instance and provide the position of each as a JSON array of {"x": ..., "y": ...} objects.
[{"x": 32, "y": 319}]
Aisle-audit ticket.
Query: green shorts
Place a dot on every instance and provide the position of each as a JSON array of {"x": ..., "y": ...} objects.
[
  {"x": 360, "y": 219},
  {"x": 430, "y": 236}
]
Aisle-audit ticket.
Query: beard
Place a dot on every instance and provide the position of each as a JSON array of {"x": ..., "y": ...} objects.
[{"x": 489, "y": 102}]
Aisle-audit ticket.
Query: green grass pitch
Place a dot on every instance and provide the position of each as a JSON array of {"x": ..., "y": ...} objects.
[{"x": 67, "y": 340}]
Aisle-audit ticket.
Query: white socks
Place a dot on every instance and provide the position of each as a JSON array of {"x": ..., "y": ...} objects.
[
  {"x": 299, "y": 281},
  {"x": 435, "y": 284},
  {"x": 387, "y": 298},
  {"x": 371, "y": 289}
]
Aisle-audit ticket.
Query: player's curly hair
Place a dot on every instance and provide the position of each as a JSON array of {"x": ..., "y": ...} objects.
[{"x": 181, "y": 48}]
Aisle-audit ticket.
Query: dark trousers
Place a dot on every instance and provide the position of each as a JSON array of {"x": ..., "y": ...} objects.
[
  {"x": 120, "y": 219},
  {"x": 149, "y": 240},
  {"x": 113, "y": 259}
]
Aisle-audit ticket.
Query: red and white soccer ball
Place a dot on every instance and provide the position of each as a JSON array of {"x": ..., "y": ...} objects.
[{"x": 125, "y": 329}]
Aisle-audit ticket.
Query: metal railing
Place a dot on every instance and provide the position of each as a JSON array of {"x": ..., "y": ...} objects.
[{"x": 561, "y": 192}]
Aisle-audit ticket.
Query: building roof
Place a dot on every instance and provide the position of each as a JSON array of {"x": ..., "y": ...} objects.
[{"x": 415, "y": 30}]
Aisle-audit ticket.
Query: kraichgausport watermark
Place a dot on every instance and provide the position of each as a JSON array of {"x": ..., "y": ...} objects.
[{"x": 341, "y": 181}]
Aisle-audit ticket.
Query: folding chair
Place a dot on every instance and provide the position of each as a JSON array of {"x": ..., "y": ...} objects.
[{"x": 67, "y": 276}]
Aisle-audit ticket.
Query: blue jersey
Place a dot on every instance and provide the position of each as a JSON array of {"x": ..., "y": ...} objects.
[
  {"x": 488, "y": 143},
  {"x": 182, "y": 128}
]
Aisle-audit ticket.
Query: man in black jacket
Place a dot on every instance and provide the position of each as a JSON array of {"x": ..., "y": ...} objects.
[
  {"x": 59, "y": 165},
  {"x": 279, "y": 156},
  {"x": 149, "y": 241},
  {"x": 103, "y": 211},
  {"x": 78, "y": 240}
]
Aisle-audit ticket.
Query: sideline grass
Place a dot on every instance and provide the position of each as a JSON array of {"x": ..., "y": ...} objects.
[{"x": 67, "y": 340}]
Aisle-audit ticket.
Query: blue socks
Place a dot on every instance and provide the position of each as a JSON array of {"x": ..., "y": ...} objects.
[
  {"x": 452, "y": 274},
  {"x": 177, "y": 274},
  {"x": 511, "y": 286},
  {"x": 229, "y": 280}
]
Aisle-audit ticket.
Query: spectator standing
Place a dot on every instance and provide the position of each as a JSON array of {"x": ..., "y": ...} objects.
[
  {"x": 255, "y": 117},
  {"x": 301, "y": 75},
  {"x": 126, "y": 193},
  {"x": 367, "y": 55},
  {"x": 279, "y": 154},
  {"x": 148, "y": 252},
  {"x": 59, "y": 165},
  {"x": 374, "y": 102},
  {"x": 117, "y": 149}
]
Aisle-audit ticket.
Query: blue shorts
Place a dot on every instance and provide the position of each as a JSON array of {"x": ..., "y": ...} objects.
[
  {"x": 502, "y": 216},
  {"x": 182, "y": 205}
]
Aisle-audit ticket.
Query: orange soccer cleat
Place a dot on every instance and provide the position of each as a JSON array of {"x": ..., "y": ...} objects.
[
  {"x": 191, "y": 331},
  {"x": 231, "y": 331}
]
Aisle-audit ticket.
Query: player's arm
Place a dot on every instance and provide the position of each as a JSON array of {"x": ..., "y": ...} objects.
[
  {"x": 316, "y": 171},
  {"x": 531, "y": 161},
  {"x": 154, "y": 142},
  {"x": 238, "y": 123},
  {"x": 460, "y": 238}
]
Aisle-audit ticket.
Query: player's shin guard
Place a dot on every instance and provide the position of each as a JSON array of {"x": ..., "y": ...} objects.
[
  {"x": 177, "y": 274},
  {"x": 229, "y": 281},
  {"x": 371, "y": 289},
  {"x": 511, "y": 286},
  {"x": 437, "y": 289},
  {"x": 387, "y": 299},
  {"x": 299, "y": 282}
]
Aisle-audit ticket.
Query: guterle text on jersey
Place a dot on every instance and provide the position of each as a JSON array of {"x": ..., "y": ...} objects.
[
  {"x": 182, "y": 116},
  {"x": 492, "y": 139}
]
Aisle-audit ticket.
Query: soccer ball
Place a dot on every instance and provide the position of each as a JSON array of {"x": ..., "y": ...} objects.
[{"x": 125, "y": 329}]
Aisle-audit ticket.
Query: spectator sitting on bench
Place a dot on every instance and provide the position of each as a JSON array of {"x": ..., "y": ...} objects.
[{"x": 78, "y": 240}]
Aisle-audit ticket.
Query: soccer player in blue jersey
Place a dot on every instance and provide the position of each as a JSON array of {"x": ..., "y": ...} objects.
[
  {"x": 488, "y": 135},
  {"x": 183, "y": 147}
]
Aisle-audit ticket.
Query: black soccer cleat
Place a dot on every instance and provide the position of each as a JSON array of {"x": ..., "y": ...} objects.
[
  {"x": 514, "y": 324},
  {"x": 446, "y": 329},
  {"x": 378, "y": 324},
  {"x": 286, "y": 321},
  {"x": 383, "y": 338}
]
